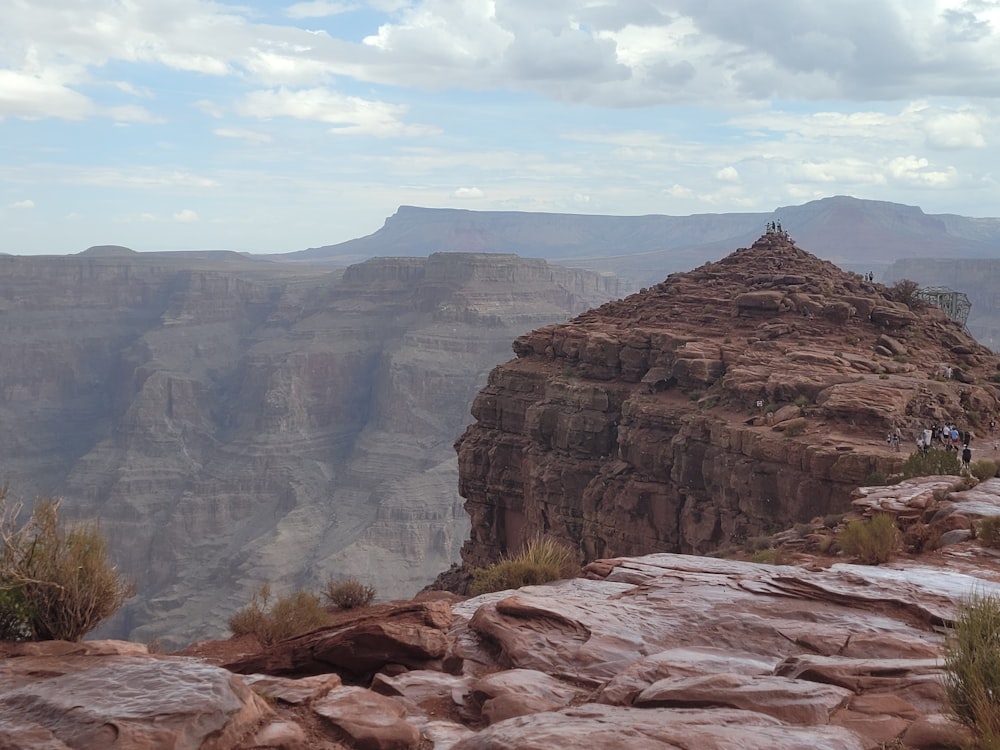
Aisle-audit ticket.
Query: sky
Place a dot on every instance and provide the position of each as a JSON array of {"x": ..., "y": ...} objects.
[{"x": 269, "y": 127}]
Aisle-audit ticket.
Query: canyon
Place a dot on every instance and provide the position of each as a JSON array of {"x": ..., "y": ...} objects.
[{"x": 232, "y": 421}]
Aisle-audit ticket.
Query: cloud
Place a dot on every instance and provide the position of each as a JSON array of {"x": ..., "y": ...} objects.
[
  {"x": 318, "y": 9},
  {"x": 350, "y": 115},
  {"x": 728, "y": 174},
  {"x": 185, "y": 216},
  {"x": 250, "y": 136},
  {"x": 22, "y": 204},
  {"x": 468, "y": 192}
]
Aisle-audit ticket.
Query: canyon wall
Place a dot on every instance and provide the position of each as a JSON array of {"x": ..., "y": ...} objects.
[{"x": 234, "y": 421}]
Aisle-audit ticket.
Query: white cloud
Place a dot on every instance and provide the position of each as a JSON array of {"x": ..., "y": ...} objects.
[
  {"x": 728, "y": 174},
  {"x": 22, "y": 204},
  {"x": 318, "y": 9},
  {"x": 250, "y": 136},
  {"x": 185, "y": 216},
  {"x": 349, "y": 114},
  {"x": 468, "y": 192}
]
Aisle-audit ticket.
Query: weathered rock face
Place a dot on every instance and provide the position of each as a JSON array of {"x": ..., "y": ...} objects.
[
  {"x": 723, "y": 403},
  {"x": 233, "y": 421},
  {"x": 660, "y": 651}
]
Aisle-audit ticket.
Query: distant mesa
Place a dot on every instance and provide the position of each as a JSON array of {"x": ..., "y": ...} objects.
[{"x": 105, "y": 251}]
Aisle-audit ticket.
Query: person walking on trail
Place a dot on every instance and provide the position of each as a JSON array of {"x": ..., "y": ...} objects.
[{"x": 966, "y": 458}]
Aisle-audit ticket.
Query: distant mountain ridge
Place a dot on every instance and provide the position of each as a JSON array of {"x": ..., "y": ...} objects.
[{"x": 851, "y": 232}]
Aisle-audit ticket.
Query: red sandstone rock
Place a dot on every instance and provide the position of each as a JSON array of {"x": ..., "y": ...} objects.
[
  {"x": 126, "y": 702},
  {"x": 411, "y": 634},
  {"x": 635, "y": 427}
]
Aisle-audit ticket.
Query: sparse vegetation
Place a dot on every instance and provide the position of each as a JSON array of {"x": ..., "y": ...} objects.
[
  {"x": 875, "y": 479},
  {"x": 289, "y": 616},
  {"x": 348, "y": 593},
  {"x": 905, "y": 291},
  {"x": 972, "y": 669},
  {"x": 795, "y": 426},
  {"x": 873, "y": 541},
  {"x": 932, "y": 462},
  {"x": 56, "y": 580},
  {"x": 983, "y": 469},
  {"x": 989, "y": 532},
  {"x": 757, "y": 543},
  {"x": 765, "y": 556},
  {"x": 802, "y": 401},
  {"x": 542, "y": 560}
]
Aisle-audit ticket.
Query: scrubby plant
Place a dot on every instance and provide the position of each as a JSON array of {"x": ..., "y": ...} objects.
[
  {"x": 983, "y": 469},
  {"x": 764, "y": 556},
  {"x": 543, "y": 559},
  {"x": 905, "y": 291},
  {"x": 289, "y": 616},
  {"x": 348, "y": 593},
  {"x": 988, "y": 531},
  {"x": 873, "y": 541},
  {"x": 802, "y": 401},
  {"x": 794, "y": 427},
  {"x": 875, "y": 479},
  {"x": 972, "y": 669},
  {"x": 57, "y": 581},
  {"x": 931, "y": 462}
]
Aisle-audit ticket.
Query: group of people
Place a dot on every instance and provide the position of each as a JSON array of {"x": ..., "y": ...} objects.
[{"x": 948, "y": 437}]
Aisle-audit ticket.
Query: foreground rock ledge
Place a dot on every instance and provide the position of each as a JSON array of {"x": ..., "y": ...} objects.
[{"x": 661, "y": 651}]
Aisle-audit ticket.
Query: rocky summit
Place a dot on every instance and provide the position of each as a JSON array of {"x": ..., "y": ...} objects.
[{"x": 720, "y": 404}]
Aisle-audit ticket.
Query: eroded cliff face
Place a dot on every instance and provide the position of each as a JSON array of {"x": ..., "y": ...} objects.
[
  {"x": 232, "y": 422},
  {"x": 721, "y": 404}
]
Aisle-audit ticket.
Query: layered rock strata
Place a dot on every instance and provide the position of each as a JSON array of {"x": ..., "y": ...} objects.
[
  {"x": 233, "y": 422},
  {"x": 721, "y": 404}
]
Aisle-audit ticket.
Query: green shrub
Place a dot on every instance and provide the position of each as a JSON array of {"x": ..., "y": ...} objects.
[
  {"x": 929, "y": 463},
  {"x": 983, "y": 469},
  {"x": 875, "y": 479},
  {"x": 794, "y": 427},
  {"x": 802, "y": 401},
  {"x": 289, "y": 616},
  {"x": 348, "y": 593},
  {"x": 764, "y": 556},
  {"x": 542, "y": 560},
  {"x": 905, "y": 291},
  {"x": 989, "y": 531},
  {"x": 972, "y": 668},
  {"x": 873, "y": 541},
  {"x": 56, "y": 581}
]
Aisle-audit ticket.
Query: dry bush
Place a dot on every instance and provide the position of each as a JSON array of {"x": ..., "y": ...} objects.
[
  {"x": 905, "y": 291},
  {"x": 931, "y": 463},
  {"x": 988, "y": 531},
  {"x": 983, "y": 469},
  {"x": 348, "y": 593},
  {"x": 56, "y": 581},
  {"x": 972, "y": 669},
  {"x": 542, "y": 560},
  {"x": 873, "y": 541},
  {"x": 289, "y": 616}
]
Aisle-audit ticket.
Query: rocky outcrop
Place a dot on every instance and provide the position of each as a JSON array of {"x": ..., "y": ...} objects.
[
  {"x": 659, "y": 651},
  {"x": 720, "y": 404},
  {"x": 233, "y": 421}
]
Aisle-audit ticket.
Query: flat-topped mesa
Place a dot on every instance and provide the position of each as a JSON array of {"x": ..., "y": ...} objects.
[{"x": 748, "y": 394}]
